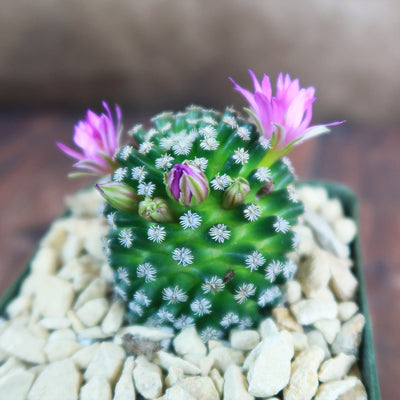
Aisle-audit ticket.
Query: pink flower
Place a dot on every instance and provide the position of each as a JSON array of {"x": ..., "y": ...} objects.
[
  {"x": 284, "y": 118},
  {"x": 98, "y": 137},
  {"x": 186, "y": 184}
]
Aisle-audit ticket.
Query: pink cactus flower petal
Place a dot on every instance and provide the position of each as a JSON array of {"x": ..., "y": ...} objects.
[
  {"x": 98, "y": 138},
  {"x": 288, "y": 113}
]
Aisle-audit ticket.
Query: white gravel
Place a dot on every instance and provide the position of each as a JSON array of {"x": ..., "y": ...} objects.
[{"x": 64, "y": 334}]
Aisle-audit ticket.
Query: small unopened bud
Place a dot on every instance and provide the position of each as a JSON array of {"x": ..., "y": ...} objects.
[
  {"x": 268, "y": 188},
  {"x": 236, "y": 193},
  {"x": 155, "y": 210},
  {"x": 120, "y": 196},
  {"x": 187, "y": 184}
]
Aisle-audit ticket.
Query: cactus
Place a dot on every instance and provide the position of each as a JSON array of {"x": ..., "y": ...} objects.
[
  {"x": 212, "y": 254},
  {"x": 200, "y": 206}
]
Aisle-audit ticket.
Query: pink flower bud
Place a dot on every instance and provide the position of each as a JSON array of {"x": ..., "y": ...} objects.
[{"x": 186, "y": 184}]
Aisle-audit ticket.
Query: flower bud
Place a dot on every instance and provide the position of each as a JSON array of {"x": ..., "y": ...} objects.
[
  {"x": 120, "y": 196},
  {"x": 155, "y": 210},
  {"x": 187, "y": 184},
  {"x": 236, "y": 193}
]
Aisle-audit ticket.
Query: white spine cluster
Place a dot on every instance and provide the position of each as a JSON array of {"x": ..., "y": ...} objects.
[
  {"x": 281, "y": 225},
  {"x": 220, "y": 233},
  {"x": 183, "y": 256},
  {"x": 241, "y": 156},
  {"x": 254, "y": 260},
  {"x": 120, "y": 174},
  {"x": 125, "y": 237},
  {"x": 252, "y": 212},
  {"x": 190, "y": 220}
]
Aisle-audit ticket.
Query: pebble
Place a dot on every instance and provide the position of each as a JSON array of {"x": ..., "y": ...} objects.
[
  {"x": 357, "y": 392},
  {"x": 36, "y": 329},
  {"x": 285, "y": 320},
  {"x": 96, "y": 288},
  {"x": 205, "y": 363},
  {"x": 114, "y": 318},
  {"x": 343, "y": 282},
  {"x": 21, "y": 305},
  {"x": 336, "y": 368},
  {"x": 235, "y": 385},
  {"x": 153, "y": 334},
  {"x": 168, "y": 360},
  {"x": 3, "y": 355},
  {"x": 62, "y": 334},
  {"x": 59, "y": 380},
  {"x": 331, "y": 210},
  {"x": 267, "y": 328},
  {"x": 148, "y": 378},
  {"x": 177, "y": 393},
  {"x": 346, "y": 310},
  {"x": 61, "y": 349},
  {"x": 80, "y": 282},
  {"x": 329, "y": 328},
  {"x": 332, "y": 390},
  {"x": 269, "y": 368},
  {"x": 76, "y": 323},
  {"x": 106, "y": 362},
  {"x": 200, "y": 388},
  {"x": 316, "y": 338},
  {"x": 292, "y": 291},
  {"x": 54, "y": 296},
  {"x": 307, "y": 242},
  {"x": 10, "y": 364},
  {"x": 299, "y": 340},
  {"x": 188, "y": 341},
  {"x": 55, "y": 236},
  {"x": 93, "y": 311},
  {"x": 225, "y": 356},
  {"x": 308, "y": 311},
  {"x": 16, "y": 384},
  {"x": 17, "y": 340},
  {"x": 175, "y": 374},
  {"x": 84, "y": 203},
  {"x": 93, "y": 240},
  {"x": 97, "y": 388},
  {"x": 45, "y": 261},
  {"x": 217, "y": 379},
  {"x": 349, "y": 338},
  {"x": 325, "y": 236},
  {"x": 345, "y": 229},
  {"x": 53, "y": 323},
  {"x": 83, "y": 356},
  {"x": 93, "y": 333},
  {"x": 314, "y": 273},
  {"x": 72, "y": 247},
  {"x": 107, "y": 273},
  {"x": 312, "y": 197},
  {"x": 84, "y": 266},
  {"x": 325, "y": 294},
  {"x": 303, "y": 382},
  {"x": 245, "y": 339}
]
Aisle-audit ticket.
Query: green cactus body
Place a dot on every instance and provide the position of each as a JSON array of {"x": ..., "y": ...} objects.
[{"x": 219, "y": 263}]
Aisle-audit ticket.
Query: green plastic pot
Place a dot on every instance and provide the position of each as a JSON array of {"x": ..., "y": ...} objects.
[{"x": 351, "y": 207}]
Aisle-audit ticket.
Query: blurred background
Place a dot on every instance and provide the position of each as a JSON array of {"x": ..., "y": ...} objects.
[{"x": 59, "y": 58}]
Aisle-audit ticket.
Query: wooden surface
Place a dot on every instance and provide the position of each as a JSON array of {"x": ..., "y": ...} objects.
[{"x": 33, "y": 184}]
